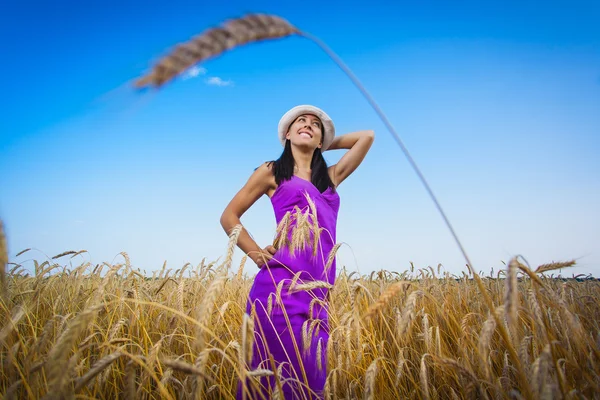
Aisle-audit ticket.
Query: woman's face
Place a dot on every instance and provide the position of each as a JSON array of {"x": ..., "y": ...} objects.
[{"x": 306, "y": 130}]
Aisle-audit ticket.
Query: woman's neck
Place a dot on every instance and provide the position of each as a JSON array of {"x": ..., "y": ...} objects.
[{"x": 302, "y": 160}]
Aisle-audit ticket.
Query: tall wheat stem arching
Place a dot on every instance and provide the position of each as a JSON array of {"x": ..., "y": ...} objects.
[
  {"x": 395, "y": 135},
  {"x": 259, "y": 27}
]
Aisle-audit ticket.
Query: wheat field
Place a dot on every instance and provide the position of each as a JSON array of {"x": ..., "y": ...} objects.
[
  {"x": 111, "y": 331},
  {"x": 114, "y": 331}
]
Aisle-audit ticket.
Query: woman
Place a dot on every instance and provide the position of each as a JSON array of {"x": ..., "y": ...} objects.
[{"x": 288, "y": 299}]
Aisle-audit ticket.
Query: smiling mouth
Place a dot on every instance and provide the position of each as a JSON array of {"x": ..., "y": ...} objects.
[{"x": 303, "y": 133}]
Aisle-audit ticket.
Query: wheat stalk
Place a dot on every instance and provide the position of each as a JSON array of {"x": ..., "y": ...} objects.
[
  {"x": 233, "y": 238},
  {"x": 370, "y": 379},
  {"x": 22, "y": 251},
  {"x": 65, "y": 253},
  {"x": 511, "y": 298},
  {"x": 96, "y": 369},
  {"x": 10, "y": 392},
  {"x": 557, "y": 352},
  {"x": 17, "y": 314},
  {"x": 257, "y": 373},
  {"x": 320, "y": 360},
  {"x": 426, "y": 332},
  {"x": 180, "y": 286},
  {"x": 424, "y": 378},
  {"x": 310, "y": 286},
  {"x": 385, "y": 298},
  {"x": 213, "y": 42},
  {"x": 541, "y": 370},
  {"x": 116, "y": 327},
  {"x": 306, "y": 335},
  {"x": 240, "y": 271},
  {"x": 331, "y": 257},
  {"x": 408, "y": 312},
  {"x": 247, "y": 339},
  {"x": 130, "y": 382},
  {"x": 314, "y": 224},
  {"x": 281, "y": 239},
  {"x": 524, "y": 350},
  {"x": 185, "y": 368},
  {"x": 400, "y": 366},
  {"x": 3, "y": 259},
  {"x": 252, "y": 28},
  {"x": 553, "y": 266},
  {"x": 467, "y": 372},
  {"x": 485, "y": 338},
  {"x": 57, "y": 357}
]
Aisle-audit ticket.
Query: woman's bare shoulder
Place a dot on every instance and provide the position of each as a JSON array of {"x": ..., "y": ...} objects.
[{"x": 264, "y": 176}]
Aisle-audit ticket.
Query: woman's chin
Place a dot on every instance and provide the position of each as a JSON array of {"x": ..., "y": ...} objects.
[{"x": 304, "y": 145}]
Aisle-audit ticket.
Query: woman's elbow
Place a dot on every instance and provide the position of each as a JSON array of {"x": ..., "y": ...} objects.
[
  {"x": 228, "y": 220},
  {"x": 225, "y": 220}
]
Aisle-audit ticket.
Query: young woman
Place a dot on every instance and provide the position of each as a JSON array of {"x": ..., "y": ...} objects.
[{"x": 288, "y": 299}]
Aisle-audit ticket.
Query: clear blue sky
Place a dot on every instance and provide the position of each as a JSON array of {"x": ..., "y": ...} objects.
[{"x": 498, "y": 102}]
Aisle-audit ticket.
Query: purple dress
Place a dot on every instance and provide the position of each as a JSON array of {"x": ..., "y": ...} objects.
[{"x": 291, "y": 335}]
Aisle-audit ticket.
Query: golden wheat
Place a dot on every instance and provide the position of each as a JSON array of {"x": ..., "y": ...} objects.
[
  {"x": 553, "y": 266},
  {"x": 214, "y": 41},
  {"x": 3, "y": 259},
  {"x": 88, "y": 334}
]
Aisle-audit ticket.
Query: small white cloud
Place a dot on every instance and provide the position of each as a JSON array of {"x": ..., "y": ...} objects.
[
  {"x": 216, "y": 81},
  {"x": 194, "y": 72}
]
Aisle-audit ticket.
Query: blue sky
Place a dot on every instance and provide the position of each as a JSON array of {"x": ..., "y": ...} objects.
[{"x": 499, "y": 104}]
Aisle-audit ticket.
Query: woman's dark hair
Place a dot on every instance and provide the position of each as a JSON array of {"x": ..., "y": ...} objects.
[{"x": 283, "y": 168}]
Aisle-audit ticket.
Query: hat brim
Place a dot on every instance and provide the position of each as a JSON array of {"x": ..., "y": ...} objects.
[{"x": 292, "y": 114}]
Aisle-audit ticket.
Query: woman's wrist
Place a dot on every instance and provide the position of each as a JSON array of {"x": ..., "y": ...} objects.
[{"x": 254, "y": 256}]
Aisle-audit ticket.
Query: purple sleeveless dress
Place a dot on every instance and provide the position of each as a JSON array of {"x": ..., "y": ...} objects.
[{"x": 291, "y": 335}]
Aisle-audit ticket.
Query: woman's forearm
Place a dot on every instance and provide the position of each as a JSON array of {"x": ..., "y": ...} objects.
[
  {"x": 245, "y": 241},
  {"x": 350, "y": 139}
]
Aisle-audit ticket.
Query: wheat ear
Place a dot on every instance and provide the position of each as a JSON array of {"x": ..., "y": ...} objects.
[
  {"x": 257, "y": 373},
  {"x": 310, "y": 286},
  {"x": 554, "y": 265},
  {"x": 247, "y": 339},
  {"x": 64, "y": 253},
  {"x": 96, "y": 369},
  {"x": 17, "y": 314},
  {"x": 213, "y": 42},
  {"x": 3, "y": 259},
  {"x": 511, "y": 298},
  {"x": 57, "y": 359},
  {"x": 370, "y": 379},
  {"x": 424, "y": 378},
  {"x": 385, "y": 298},
  {"x": 185, "y": 368},
  {"x": 408, "y": 312}
]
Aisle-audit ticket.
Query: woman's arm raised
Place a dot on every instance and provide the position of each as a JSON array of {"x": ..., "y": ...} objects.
[
  {"x": 259, "y": 183},
  {"x": 358, "y": 144}
]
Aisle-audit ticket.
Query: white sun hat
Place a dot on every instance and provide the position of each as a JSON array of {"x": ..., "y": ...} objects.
[{"x": 291, "y": 115}]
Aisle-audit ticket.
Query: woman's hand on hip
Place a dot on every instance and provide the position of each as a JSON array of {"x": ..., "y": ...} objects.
[{"x": 264, "y": 256}]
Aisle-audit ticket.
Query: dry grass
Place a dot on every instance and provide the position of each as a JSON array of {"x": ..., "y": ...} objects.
[{"x": 108, "y": 331}]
